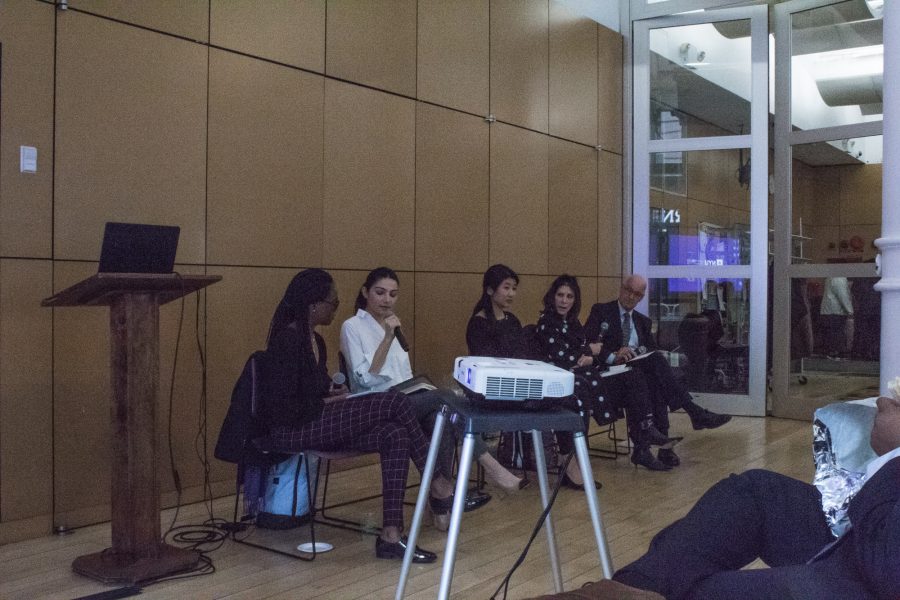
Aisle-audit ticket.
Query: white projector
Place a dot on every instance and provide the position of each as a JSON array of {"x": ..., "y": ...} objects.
[{"x": 512, "y": 378}]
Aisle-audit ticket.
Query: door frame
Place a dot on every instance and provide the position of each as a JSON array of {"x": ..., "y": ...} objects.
[
  {"x": 785, "y": 139},
  {"x": 754, "y": 402}
]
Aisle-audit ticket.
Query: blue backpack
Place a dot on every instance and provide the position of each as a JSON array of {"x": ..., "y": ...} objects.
[{"x": 287, "y": 494}]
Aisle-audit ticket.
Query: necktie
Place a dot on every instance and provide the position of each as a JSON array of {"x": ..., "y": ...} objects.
[{"x": 626, "y": 329}]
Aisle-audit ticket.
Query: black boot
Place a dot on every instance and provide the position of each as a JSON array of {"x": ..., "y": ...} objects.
[
  {"x": 642, "y": 456},
  {"x": 649, "y": 435},
  {"x": 668, "y": 457}
]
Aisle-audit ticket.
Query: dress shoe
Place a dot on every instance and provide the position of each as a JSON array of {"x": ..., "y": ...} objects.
[
  {"x": 645, "y": 458},
  {"x": 385, "y": 549},
  {"x": 668, "y": 457},
  {"x": 475, "y": 500},
  {"x": 567, "y": 482},
  {"x": 705, "y": 419}
]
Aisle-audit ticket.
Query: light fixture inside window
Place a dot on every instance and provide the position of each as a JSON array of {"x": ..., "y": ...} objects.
[{"x": 691, "y": 56}]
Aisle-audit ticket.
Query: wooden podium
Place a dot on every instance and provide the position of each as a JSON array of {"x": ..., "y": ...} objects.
[{"x": 138, "y": 552}]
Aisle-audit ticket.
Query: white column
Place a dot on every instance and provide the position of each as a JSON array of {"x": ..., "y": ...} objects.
[{"x": 889, "y": 243}]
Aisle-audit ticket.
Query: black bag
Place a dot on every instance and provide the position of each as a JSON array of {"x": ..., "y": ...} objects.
[{"x": 243, "y": 432}]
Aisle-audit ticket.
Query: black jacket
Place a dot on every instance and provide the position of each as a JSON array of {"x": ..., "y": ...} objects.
[{"x": 608, "y": 312}]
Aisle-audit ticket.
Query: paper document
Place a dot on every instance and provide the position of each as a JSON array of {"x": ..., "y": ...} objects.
[
  {"x": 641, "y": 356},
  {"x": 615, "y": 370}
]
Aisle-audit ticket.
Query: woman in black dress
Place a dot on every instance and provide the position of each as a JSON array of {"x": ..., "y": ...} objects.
[
  {"x": 561, "y": 338},
  {"x": 304, "y": 411},
  {"x": 494, "y": 331}
]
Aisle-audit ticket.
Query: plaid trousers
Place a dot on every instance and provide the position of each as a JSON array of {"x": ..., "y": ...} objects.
[{"x": 381, "y": 422}]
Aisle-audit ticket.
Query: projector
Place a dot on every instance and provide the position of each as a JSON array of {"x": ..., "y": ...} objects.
[{"x": 512, "y": 379}]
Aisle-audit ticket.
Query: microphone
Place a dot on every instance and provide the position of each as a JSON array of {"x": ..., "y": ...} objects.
[
  {"x": 604, "y": 327},
  {"x": 401, "y": 340}
]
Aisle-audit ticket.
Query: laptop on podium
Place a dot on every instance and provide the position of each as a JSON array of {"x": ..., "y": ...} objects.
[{"x": 138, "y": 248}]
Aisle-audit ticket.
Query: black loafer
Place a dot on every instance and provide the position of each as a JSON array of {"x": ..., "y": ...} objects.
[
  {"x": 668, "y": 457},
  {"x": 384, "y": 549},
  {"x": 475, "y": 500}
]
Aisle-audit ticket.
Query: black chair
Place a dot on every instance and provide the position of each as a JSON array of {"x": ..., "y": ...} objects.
[
  {"x": 243, "y": 440},
  {"x": 619, "y": 446}
]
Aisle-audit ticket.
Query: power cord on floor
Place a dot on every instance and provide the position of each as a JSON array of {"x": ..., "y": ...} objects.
[
  {"x": 504, "y": 585},
  {"x": 210, "y": 535}
]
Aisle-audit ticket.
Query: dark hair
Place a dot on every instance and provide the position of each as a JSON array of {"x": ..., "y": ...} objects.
[
  {"x": 550, "y": 296},
  {"x": 375, "y": 275},
  {"x": 493, "y": 278},
  {"x": 305, "y": 289}
]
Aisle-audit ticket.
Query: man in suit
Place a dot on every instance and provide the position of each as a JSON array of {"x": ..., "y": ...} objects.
[
  {"x": 623, "y": 331},
  {"x": 761, "y": 514}
]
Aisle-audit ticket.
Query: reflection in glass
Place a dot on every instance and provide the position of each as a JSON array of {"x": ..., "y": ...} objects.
[
  {"x": 700, "y": 213},
  {"x": 836, "y": 201},
  {"x": 700, "y": 80},
  {"x": 836, "y": 66},
  {"x": 835, "y": 337},
  {"x": 703, "y": 325}
]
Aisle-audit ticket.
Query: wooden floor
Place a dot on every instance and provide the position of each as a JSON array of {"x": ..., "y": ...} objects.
[{"x": 635, "y": 504}]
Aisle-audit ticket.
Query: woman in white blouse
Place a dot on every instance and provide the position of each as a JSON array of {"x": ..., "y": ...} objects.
[{"x": 377, "y": 361}]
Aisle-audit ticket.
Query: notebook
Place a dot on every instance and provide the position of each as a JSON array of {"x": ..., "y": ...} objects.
[{"x": 137, "y": 248}]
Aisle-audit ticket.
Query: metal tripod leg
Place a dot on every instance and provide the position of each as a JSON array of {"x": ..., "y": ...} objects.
[
  {"x": 541, "y": 466},
  {"x": 590, "y": 493},
  {"x": 459, "y": 499},
  {"x": 424, "y": 495}
]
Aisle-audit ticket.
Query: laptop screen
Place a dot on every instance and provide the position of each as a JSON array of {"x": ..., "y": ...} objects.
[{"x": 137, "y": 248}]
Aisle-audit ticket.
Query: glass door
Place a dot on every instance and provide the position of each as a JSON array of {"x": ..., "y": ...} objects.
[
  {"x": 700, "y": 197},
  {"x": 828, "y": 200}
]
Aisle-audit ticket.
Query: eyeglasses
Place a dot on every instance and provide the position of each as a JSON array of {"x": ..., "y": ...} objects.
[{"x": 632, "y": 292}]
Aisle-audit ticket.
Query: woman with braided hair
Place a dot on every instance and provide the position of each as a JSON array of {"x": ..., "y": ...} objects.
[{"x": 304, "y": 411}]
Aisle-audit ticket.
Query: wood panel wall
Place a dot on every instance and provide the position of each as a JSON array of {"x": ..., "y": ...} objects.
[{"x": 280, "y": 135}]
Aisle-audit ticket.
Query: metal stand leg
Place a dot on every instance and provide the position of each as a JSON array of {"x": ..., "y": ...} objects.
[
  {"x": 541, "y": 466},
  {"x": 424, "y": 494},
  {"x": 459, "y": 499},
  {"x": 590, "y": 492}
]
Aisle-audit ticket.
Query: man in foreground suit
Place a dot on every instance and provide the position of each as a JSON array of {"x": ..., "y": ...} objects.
[
  {"x": 622, "y": 330},
  {"x": 761, "y": 514}
]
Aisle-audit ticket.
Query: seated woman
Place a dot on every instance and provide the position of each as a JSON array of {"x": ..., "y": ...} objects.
[
  {"x": 304, "y": 411},
  {"x": 377, "y": 361},
  {"x": 561, "y": 338},
  {"x": 494, "y": 331}
]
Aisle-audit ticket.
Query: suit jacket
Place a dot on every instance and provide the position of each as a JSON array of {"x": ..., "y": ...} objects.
[
  {"x": 608, "y": 312},
  {"x": 871, "y": 548}
]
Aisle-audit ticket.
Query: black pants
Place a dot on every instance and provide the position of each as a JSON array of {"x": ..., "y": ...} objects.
[
  {"x": 667, "y": 392},
  {"x": 425, "y": 407},
  {"x": 604, "y": 396},
  {"x": 758, "y": 514}
]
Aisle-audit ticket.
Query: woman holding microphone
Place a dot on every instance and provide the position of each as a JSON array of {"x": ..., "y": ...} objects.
[
  {"x": 304, "y": 411},
  {"x": 373, "y": 346}
]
